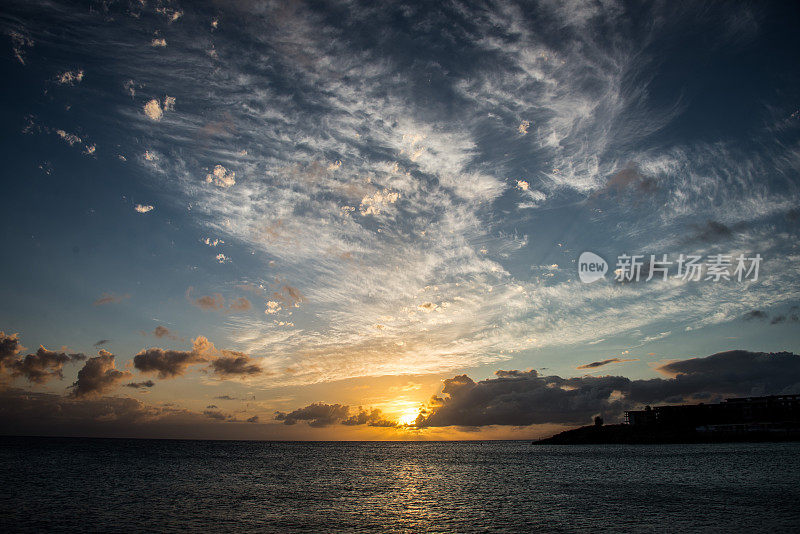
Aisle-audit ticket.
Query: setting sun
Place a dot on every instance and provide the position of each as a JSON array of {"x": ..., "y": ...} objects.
[{"x": 408, "y": 417}]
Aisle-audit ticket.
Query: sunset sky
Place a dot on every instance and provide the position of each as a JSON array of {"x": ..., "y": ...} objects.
[{"x": 358, "y": 220}]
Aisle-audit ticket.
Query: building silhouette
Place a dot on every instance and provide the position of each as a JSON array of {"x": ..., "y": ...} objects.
[{"x": 778, "y": 413}]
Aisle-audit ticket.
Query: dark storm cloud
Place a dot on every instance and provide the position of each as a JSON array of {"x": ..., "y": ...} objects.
[
  {"x": 10, "y": 347},
  {"x": 212, "y": 413},
  {"x": 38, "y": 367},
  {"x": 523, "y": 398},
  {"x": 140, "y": 385},
  {"x": 98, "y": 376},
  {"x": 172, "y": 363},
  {"x": 225, "y": 397},
  {"x": 317, "y": 415},
  {"x": 217, "y": 415},
  {"x": 233, "y": 363},
  {"x": 46, "y": 414},
  {"x": 102, "y": 342},
  {"x": 601, "y": 363},
  {"x": 166, "y": 363},
  {"x": 755, "y": 314},
  {"x": 373, "y": 417},
  {"x": 44, "y": 365},
  {"x": 519, "y": 399},
  {"x": 321, "y": 414},
  {"x": 21, "y": 410},
  {"x": 741, "y": 364},
  {"x": 791, "y": 317},
  {"x": 778, "y": 319}
]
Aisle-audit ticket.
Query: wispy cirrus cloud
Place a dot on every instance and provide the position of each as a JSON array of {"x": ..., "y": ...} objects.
[
  {"x": 398, "y": 195},
  {"x": 404, "y": 197}
]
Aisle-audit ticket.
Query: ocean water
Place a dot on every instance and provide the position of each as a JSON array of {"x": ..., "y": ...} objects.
[{"x": 92, "y": 485}]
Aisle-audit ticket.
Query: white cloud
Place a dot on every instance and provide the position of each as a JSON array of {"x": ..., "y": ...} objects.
[
  {"x": 70, "y": 77},
  {"x": 373, "y": 204},
  {"x": 143, "y": 208},
  {"x": 221, "y": 177},
  {"x": 72, "y": 139},
  {"x": 130, "y": 86},
  {"x": 171, "y": 15},
  {"x": 153, "y": 110}
]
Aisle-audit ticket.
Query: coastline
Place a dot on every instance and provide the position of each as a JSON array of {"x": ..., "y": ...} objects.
[{"x": 624, "y": 434}]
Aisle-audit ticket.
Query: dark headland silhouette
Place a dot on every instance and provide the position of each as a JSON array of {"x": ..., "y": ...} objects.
[{"x": 746, "y": 419}]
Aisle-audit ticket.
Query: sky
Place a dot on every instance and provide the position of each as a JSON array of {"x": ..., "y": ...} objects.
[{"x": 356, "y": 220}]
